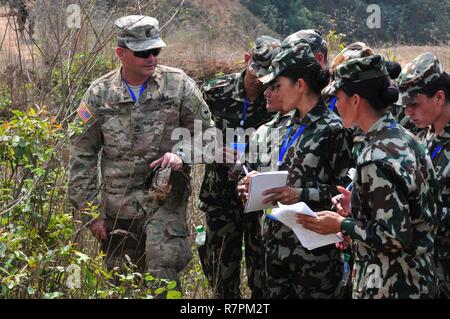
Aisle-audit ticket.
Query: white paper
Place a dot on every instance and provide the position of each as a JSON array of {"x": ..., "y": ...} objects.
[
  {"x": 286, "y": 214},
  {"x": 260, "y": 183}
]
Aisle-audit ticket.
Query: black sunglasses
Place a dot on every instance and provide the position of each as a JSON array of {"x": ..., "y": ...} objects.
[{"x": 145, "y": 54}]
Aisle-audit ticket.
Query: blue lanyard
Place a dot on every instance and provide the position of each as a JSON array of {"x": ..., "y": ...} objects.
[
  {"x": 244, "y": 115},
  {"x": 333, "y": 103},
  {"x": 393, "y": 124},
  {"x": 436, "y": 151},
  {"x": 287, "y": 143},
  {"x": 133, "y": 96}
]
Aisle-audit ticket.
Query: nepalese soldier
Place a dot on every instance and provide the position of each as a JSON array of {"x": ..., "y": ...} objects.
[
  {"x": 352, "y": 51},
  {"x": 281, "y": 121},
  {"x": 128, "y": 116},
  {"x": 316, "y": 153},
  {"x": 236, "y": 101},
  {"x": 425, "y": 93},
  {"x": 393, "y": 206},
  {"x": 314, "y": 39},
  {"x": 360, "y": 50}
]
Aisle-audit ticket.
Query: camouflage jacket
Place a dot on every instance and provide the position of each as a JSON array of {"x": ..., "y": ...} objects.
[
  {"x": 394, "y": 215},
  {"x": 317, "y": 162},
  {"x": 225, "y": 97},
  {"x": 267, "y": 142},
  {"x": 320, "y": 158},
  {"x": 439, "y": 149},
  {"x": 129, "y": 136}
]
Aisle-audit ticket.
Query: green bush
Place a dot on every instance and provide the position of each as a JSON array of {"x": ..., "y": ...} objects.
[{"x": 39, "y": 257}]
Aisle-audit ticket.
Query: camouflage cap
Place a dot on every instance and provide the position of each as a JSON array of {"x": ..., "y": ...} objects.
[
  {"x": 138, "y": 33},
  {"x": 312, "y": 37},
  {"x": 301, "y": 53},
  {"x": 416, "y": 75},
  {"x": 356, "y": 70},
  {"x": 352, "y": 51},
  {"x": 265, "y": 49}
]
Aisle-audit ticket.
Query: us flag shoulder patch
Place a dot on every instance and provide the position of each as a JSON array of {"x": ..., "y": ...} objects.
[{"x": 84, "y": 113}]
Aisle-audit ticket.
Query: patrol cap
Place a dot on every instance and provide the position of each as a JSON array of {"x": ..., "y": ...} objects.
[
  {"x": 352, "y": 51},
  {"x": 312, "y": 37},
  {"x": 416, "y": 75},
  {"x": 301, "y": 53},
  {"x": 357, "y": 70},
  {"x": 265, "y": 49},
  {"x": 138, "y": 33}
]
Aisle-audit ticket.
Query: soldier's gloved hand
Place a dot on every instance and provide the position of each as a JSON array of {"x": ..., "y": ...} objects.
[
  {"x": 169, "y": 159},
  {"x": 284, "y": 195},
  {"x": 98, "y": 229},
  {"x": 342, "y": 203}
]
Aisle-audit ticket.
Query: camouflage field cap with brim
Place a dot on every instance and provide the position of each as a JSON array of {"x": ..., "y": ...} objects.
[
  {"x": 138, "y": 33},
  {"x": 301, "y": 53},
  {"x": 352, "y": 51},
  {"x": 265, "y": 49},
  {"x": 416, "y": 75},
  {"x": 312, "y": 37},
  {"x": 356, "y": 70}
]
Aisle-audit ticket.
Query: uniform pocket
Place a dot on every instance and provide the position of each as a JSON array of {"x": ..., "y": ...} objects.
[{"x": 176, "y": 250}]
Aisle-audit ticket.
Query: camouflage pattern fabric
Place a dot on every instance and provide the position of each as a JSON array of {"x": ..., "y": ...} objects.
[
  {"x": 310, "y": 36},
  {"x": 356, "y": 70},
  {"x": 286, "y": 58},
  {"x": 355, "y": 50},
  {"x": 415, "y": 75},
  {"x": 268, "y": 140},
  {"x": 394, "y": 216},
  {"x": 138, "y": 33},
  {"x": 226, "y": 222},
  {"x": 316, "y": 162},
  {"x": 265, "y": 49},
  {"x": 129, "y": 137},
  {"x": 439, "y": 146}
]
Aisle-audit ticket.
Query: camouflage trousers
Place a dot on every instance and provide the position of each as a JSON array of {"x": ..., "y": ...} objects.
[
  {"x": 292, "y": 271},
  {"x": 157, "y": 244},
  {"x": 222, "y": 254},
  {"x": 443, "y": 270}
]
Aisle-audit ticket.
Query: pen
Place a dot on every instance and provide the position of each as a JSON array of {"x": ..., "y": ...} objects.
[
  {"x": 245, "y": 169},
  {"x": 349, "y": 188}
]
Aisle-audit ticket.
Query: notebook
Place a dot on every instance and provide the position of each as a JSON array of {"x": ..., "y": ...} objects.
[{"x": 260, "y": 183}]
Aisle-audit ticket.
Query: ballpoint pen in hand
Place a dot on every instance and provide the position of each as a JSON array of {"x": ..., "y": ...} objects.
[{"x": 350, "y": 174}]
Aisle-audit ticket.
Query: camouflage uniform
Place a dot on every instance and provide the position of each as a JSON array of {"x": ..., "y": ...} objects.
[
  {"x": 317, "y": 161},
  {"x": 226, "y": 222},
  {"x": 415, "y": 76},
  {"x": 394, "y": 210},
  {"x": 128, "y": 136}
]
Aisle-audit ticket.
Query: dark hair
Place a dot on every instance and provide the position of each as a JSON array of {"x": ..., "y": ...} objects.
[
  {"x": 379, "y": 92},
  {"x": 311, "y": 72},
  {"x": 394, "y": 69},
  {"x": 442, "y": 83}
]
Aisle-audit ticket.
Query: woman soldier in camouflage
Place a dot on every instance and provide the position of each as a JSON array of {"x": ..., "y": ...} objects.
[
  {"x": 315, "y": 150},
  {"x": 425, "y": 92},
  {"x": 393, "y": 201}
]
